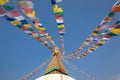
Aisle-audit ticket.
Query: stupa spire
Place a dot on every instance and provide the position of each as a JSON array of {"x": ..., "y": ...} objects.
[{"x": 56, "y": 66}]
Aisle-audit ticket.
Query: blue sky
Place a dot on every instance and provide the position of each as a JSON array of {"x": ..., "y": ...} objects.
[{"x": 20, "y": 54}]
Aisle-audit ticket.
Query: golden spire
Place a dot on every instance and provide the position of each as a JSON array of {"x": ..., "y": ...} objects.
[{"x": 56, "y": 66}]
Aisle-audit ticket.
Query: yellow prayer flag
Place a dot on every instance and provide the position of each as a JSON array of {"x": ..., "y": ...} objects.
[
  {"x": 94, "y": 34},
  {"x": 31, "y": 14},
  {"x": 2, "y": 2},
  {"x": 15, "y": 23},
  {"x": 56, "y": 10},
  {"x": 34, "y": 36},
  {"x": 60, "y": 26},
  {"x": 93, "y": 48},
  {"x": 60, "y": 10},
  {"x": 115, "y": 31},
  {"x": 27, "y": 25},
  {"x": 101, "y": 42},
  {"x": 42, "y": 29},
  {"x": 61, "y": 36},
  {"x": 48, "y": 37},
  {"x": 37, "y": 27}
]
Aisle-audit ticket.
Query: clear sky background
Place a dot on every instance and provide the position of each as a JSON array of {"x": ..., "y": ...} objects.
[{"x": 20, "y": 54}]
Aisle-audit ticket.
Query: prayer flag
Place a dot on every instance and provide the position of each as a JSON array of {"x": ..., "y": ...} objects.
[
  {"x": 53, "y": 2},
  {"x": 14, "y": 13},
  {"x": 111, "y": 14},
  {"x": 8, "y": 8},
  {"x": 2, "y": 11},
  {"x": 116, "y": 8},
  {"x": 2, "y": 2},
  {"x": 115, "y": 30},
  {"x": 107, "y": 19},
  {"x": 15, "y": 23},
  {"x": 19, "y": 18}
]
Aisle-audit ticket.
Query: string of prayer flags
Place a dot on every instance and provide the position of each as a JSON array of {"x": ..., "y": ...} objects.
[
  {"x": 114, "y": 31},
  {"x": 100, "y": 36},
  {"x": 16, "y": 19},
  {"x": 20, "y": 23},
  {"x": 59, "y": 18},
  {"x": 27, "y": 8},
  {"x": 100, "y": 42},
  {"x": 31, "y": 14},
  {"x": 58, "y": 12},
  {"x": 101, "y": 29},
  {"x": 111, "y": 14},
  {"x": 23, "y": 25}
]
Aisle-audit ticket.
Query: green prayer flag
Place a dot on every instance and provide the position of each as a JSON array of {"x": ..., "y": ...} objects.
[
  {"x": 19, "y": 26},
  {"x": 118, "y": 22},
  {"x": 59, "y": 14},
  {"x": 111, "y": 34},
  {"x": 8, "y": 8},
  {"x": 96, "y": 32},
  {"x": 111, "y": 14}
]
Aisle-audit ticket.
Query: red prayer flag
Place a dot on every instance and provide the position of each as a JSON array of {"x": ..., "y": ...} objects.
[
  {"x": 14, "y": 13},
  {"x": 2, "y": 11},
  {"x": 27, "y": 10}
]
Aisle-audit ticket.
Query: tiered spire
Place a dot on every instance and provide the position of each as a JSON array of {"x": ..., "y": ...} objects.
[{"x": 56, "y": 66}]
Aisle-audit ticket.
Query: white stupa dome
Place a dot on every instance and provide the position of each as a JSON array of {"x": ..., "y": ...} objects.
[{"x": 55, "y": 77}]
